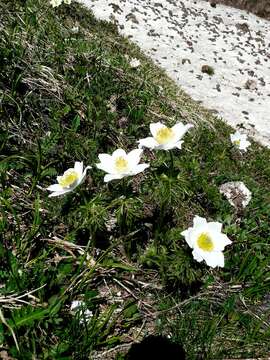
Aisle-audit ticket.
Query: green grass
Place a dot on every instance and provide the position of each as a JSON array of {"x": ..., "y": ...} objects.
[{"x": 67, "y": 97}]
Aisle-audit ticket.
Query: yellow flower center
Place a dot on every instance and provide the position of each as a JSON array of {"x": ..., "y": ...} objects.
[
  {"x": 121, "y": 164},
  {"x": 164, "y": 135},
  {"x": 205, "y": 242},
  {"x": 68, "y": 179},
  {"x": 237, "y": 142}
]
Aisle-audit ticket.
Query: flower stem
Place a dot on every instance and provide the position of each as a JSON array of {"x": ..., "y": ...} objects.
[
  {"x": 172, "y": 163},
  {"x": 124, "y": 187}
]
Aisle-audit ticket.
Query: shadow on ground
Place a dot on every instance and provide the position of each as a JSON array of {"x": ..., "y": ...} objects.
[{"x": 155, "y": 347}]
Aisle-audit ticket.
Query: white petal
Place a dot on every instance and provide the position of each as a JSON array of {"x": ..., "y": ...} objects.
[
  {"x": 110, "y": 177},
  {"x": 119, "y": 153},
  {"x": 215, "y": 226},
  {"x": 197, "y": 256},
  {"x": 234, "y": 137},
  {"x": 59, "y": 193},
  {"x": 214, "y": 259},
  {"x": 244, "y": 144},
  {"x": 139, "y": 168},
  {"x": 55, "y": 187},
  {"x": 105, "y": 158},
  {"x": 184, "y": 233},
  {"x": 134, "y": 157},
  {"x": 180, "y": 129},
  {"x": 75, "y": 304},
  {"x": 188, "y": 237},
  {"x": 199, "y": 221},
  {"x": 178, "y": 145},
  {"x": 78, "y": 167},
  {"x": 220, "y": 241},
  {"x": 154, "y": 127},
  {"x": 148, "y": 142},
  {"x": 172, "y": 145},
  {"x": 106, "y": 163},
  {"x": 169, "y": 146},
  {"x": 83, "y": 175}
]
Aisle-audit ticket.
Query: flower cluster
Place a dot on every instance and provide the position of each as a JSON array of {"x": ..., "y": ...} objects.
[
  {"x": 121, "y": 164},
  {"x": 205, "y": 238}
]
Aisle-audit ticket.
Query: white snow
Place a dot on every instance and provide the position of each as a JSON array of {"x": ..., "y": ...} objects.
[{"x": 182, "y": 36}]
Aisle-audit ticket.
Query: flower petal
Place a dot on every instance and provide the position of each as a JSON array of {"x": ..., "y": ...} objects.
[
  {"x": 119, "y": 153},
  {"x": 83, "y": 175},
  {"x": 78, "y": 167},
  {"x": 214, "y": 259},
  {"x": 244, "y": 144},
  {"x": 220, "y": 241},
  {"x": 180, "y": 129},
  {"x": 215, "y": 226},
  {"x": 134, "y": 157},
  {"x": 139, "y": 168},
  {"x": 110, "y": 177},
  {"x": 172, "y": 145},
  {"x": 59, "y": 193},
  {"x": 148, "y": 142},
  {"x": 106, "y": 163},
  {"x": 168, "y": 146},
  {"x": 188, "y": 237},
  {"x": 199, "y": 221},
  {"x": 178, "y": 144},
  {"x": 154, "y": 127},
  {"x": 197, "y": 256},
  {"x": 55, "y": 187},
  {"x": 75, "y": 304}
]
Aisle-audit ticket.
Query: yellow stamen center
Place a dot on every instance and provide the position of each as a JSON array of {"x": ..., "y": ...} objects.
[
  {"x": 205, "y": 242},
  {"x": 121, "y": 164},
  {"x": 236, "y": 142},
  {"x": 68, "y": 179},
  {"x": 164, "y": 135}
]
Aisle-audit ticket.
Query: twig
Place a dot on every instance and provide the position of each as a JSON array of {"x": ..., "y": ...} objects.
[{"x": 2, "y": 318}]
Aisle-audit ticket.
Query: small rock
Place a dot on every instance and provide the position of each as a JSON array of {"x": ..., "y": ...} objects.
[
  {"x": 236, "y": 193},
  {"x": 251, "y": 84},
  {"x": 207, "y": 69},
  {"x": 186, "y": 61}
]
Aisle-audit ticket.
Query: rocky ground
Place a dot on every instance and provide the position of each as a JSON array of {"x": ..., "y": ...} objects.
[
  {"x": 219, "y": 55},
  {"x": 258, "y": 7}
]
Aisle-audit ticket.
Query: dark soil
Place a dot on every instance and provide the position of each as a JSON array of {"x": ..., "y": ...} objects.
[{"x": 258, "y": 7}]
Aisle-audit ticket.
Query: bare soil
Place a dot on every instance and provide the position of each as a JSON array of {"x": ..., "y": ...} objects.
[{"x": 258, "y": 7}]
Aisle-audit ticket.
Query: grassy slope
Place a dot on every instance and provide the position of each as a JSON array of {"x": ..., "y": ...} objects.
[{"x": 67, "y": 97}]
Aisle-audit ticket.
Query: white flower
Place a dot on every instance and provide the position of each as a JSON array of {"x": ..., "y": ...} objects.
[
  {"x": 240, "y": 140},
  {"x": 77, "y": 306},
  {"x": 55, "y": 3},
  {"x": 237, "y": 193},
  {"x": 207, "y": 241},
  {"x": 134, "y": 63},
  {"x": 68, "y": 2},
  {"x": 69, "y": 180},
  {"x": 75, "y": 29},
  {"x": 165, "y": 138},
  {"x": 121, "y": 164}
]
